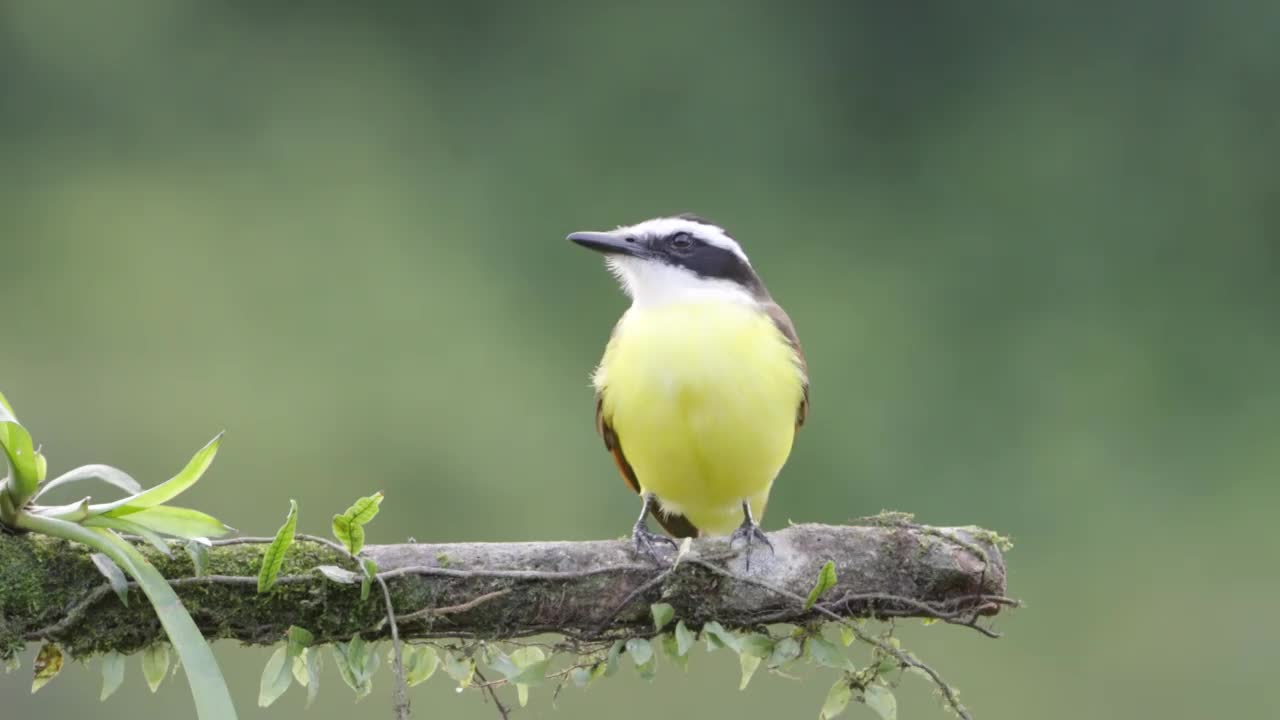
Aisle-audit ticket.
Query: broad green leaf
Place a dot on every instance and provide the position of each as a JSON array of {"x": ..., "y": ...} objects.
[
  {"x": 105, "y": 473},
  {"x": 532, "y": 663},
  {"x": 500, "y": 661},
  {"x": 208, "y": 688},
  {"x": 718, "y": 637},
  {"x": 273, "y": 557},
  {"x": 420, "y": 663},
  {"x": 756, "y": 644},
  {"x": 837, "y": 699},
  {"x": 348, "y": 533},
  {"x": 48, "y": 665},
  {"x": 275, "y": 678},
  {"x": 684, "y": 639},
  {"x": 826, "y": 581},
  {"x": 881, "y": 699},
  {"x": 338, "y": 575},
  {"x": 171, "y": 488},
  {"x": 640, "y": 650},
  {"x": 784, "y": 651},
  {"x": 662, "y": 614},
  {"x": 825, "y": 653},
  {"x": 348, "y": 527},
  {"x": 581, "y": 676},
  {"x": 18, "y": 447},
  {"x": 299, "y": 668},
  {"x": 312, "y": 658},
  {"x": 199, "y": 554},
  {"x": 356, "y": 664},
  {"x": 847, "y": 635},
  {"x": 127, "y": 526},
  {"x": 179, "y": 522},
  {"x": 364, "y": 509},
  {"x": 613, "y": 658},
  {"x": 155, "y": 662},
  {"x": 298, "y": 639},
  {"x": 671, "y": 647},
  {"x": 461, "y": 669},
  {"x": 112, "y": 674},
  {"x": 749, "y": 664},
  {"x": 114, "y": 575},
  {"x": 370, "y": 569}
]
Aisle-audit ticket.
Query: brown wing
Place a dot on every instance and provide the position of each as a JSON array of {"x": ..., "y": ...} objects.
[
  {"x": 783, "y": 323},
  {"x": 675, "y": 525}
]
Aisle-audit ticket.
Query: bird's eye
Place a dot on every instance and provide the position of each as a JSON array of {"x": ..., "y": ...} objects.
[{"x": 681, "y": 241}]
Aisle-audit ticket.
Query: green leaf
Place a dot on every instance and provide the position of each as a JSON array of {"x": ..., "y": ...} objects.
[
  {"x": 179, "y": 522},
  {"x": 171, "y": 488},
  {"x": 48, "y": 665},
  {"x": 756, "y": 644},
  {"x": 348, "y": 527},
  {"x": 613, "y": 658},
  {"x": 460, "y": 669},
  {"x": 208, "y": 688},
  {"x": 881, "y": 699},
  {"x": 684, "y": 639},
  {"x": 580, "y": 677},
  {"x": 298, "y": 639},
  {"x": 130, "y": 527},
  {"x": 42, "y": 467},
  {"x": 105, "y": 473},
  {"x": 6, "y": 410},
  {"x": 364, "y": 509},
  {"x": 662, "y": 614},
  {"x": 532, "y": 664},
  {"x": 640, "y": 650},
  {"x": 155, "y": 662},
  {"x": 825, "y": 653},
  {"x": 199, "y": 553},
  {"x": 671, "y": 647},
  {"x": 718, "y": 637},
  {"x": 348, "y": 533},
  {"x": 338, "y": 575},
  {"x": 356, "y": 664},
  {"x": 837, "y": 699},
  {"x": 275, "y": 678},
  {"x": 273, "y": 557},
  {"x": 18, "y": 447},
  {"x": 826, "y": 581},
  {"x": 420, "y": 663},
  {"x": 784, "y": 651},
  {"x": 370, "y": 569},
  {"x": 306, "y": 671},
  {"x": 112, "y": 674},
  {"x": 114, "y": 575},
  {"x": 749, "y": 664},
  {"x": 847, "y": 635}
]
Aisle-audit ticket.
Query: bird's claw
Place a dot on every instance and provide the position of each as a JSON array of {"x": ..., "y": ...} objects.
[
  {"x": 749, "y": 532},
  {"x": 646, "y": 541}
]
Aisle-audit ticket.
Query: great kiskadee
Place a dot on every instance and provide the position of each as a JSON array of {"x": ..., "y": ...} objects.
[{"x": 703, "y": 384}]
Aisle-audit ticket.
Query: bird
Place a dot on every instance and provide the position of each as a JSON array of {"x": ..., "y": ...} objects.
[{"x": 703, "y": 384}]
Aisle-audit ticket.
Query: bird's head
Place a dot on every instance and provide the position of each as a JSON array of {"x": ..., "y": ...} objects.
[{"x": 670, "y": 259}]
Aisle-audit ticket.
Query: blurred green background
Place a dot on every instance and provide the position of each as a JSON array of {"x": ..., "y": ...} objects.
[{"x": 1031, "y": 250}]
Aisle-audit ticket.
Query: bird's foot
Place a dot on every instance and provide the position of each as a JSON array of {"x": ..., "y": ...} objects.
[
  {"x": 750, "y": 532},
  {"x": 646, "y": 542}
]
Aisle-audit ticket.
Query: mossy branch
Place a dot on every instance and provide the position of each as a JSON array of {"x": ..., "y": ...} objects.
[{"x": 51, "y": 591}]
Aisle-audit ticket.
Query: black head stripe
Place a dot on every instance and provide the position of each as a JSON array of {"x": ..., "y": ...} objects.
[{"x": 707, "y": 260}]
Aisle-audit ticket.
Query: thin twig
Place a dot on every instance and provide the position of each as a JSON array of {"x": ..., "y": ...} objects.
[
  {"x": 503, "y": 710},
  {"x": 451, "y": 609},
  {"x": 402, "y": 688}
]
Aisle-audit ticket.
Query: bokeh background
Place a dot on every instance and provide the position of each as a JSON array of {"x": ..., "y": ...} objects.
[{"x": 1031, "y": 249}]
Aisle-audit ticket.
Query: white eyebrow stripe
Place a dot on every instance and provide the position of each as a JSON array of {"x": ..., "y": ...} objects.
[{"x": 662, "y": 227}]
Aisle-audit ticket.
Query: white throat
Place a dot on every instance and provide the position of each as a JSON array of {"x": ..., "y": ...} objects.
[{"x": 651, "y": 283}]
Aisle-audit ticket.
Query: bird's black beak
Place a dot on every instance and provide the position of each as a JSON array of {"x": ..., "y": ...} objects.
[{"x": 609, "y": 244}]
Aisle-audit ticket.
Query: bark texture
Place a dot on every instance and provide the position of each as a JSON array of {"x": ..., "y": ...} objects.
[{"x": 51, "y": 591}]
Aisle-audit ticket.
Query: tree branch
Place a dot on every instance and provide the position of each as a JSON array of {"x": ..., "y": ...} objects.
[{"x": 50, "y": 590}]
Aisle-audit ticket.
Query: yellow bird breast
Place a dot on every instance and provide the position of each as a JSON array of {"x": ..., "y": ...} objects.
[{"x": 703, "y": 400}]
